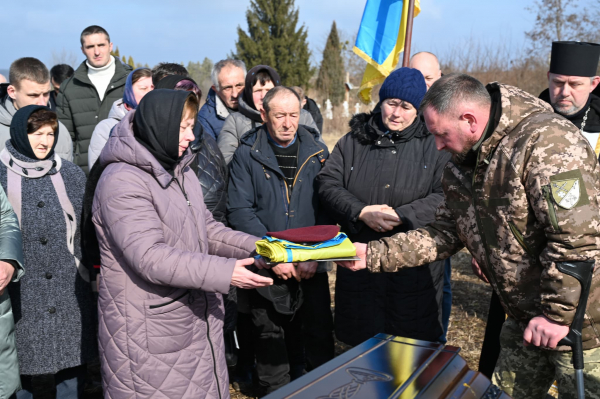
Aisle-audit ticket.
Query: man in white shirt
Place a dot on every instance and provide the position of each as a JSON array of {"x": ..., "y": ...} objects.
[{"x": 85, "y": 98}]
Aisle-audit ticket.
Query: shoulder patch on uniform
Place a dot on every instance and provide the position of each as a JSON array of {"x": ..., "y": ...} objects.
[
  {"x": 568, "y": 189},
  {"x": 566, "y": 193}
]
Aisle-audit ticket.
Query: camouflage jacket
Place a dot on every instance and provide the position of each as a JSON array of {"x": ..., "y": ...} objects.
[{"x": 531, "y": 200}]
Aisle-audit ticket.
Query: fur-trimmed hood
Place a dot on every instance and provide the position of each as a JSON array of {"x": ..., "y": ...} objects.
[{"x": 365, "y": 129}]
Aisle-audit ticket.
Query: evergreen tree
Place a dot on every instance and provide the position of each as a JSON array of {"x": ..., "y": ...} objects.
[
  {"x": 200, "y": 71},
  {"x": 273, "y": 40},
  {"x": 130, "y": 62},
  {"x": 115, "y": 53},
  {"x": 331, "y": 74}
]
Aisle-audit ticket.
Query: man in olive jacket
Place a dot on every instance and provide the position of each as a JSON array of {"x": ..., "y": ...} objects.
[
  {"x": 86, "y": 98},
  {"x": 522, "y": 194},
  {"x": 11, "y": 269}
]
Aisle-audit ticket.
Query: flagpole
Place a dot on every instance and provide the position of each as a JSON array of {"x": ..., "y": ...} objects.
[{"x": 408, "y": 38}]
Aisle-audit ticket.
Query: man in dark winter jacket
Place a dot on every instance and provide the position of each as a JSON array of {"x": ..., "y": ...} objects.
[
  {"x": 228, "y": 80},
  {"x": 382, "y": 178},
  {"x": 271, "y": 188},
  {"x": 86, "y": 98}
]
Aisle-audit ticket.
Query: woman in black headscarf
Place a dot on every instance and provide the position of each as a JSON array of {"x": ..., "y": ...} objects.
[
  {"x": 52, "y": 304},
  {"x": 165, "y": 261},
  {"x": 259, "y": 80},
  {"x": 211, "y": 169}
]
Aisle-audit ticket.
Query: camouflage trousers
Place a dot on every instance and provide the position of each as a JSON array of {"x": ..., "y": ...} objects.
[{"x": 528, "y": 372}]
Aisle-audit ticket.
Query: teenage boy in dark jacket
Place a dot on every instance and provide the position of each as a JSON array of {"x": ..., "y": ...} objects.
[{"x": 271, "y": 188}]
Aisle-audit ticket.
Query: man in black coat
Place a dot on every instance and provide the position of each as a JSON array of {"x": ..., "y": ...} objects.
[
  {"x": 571, "y": 83},
  {"x": 271, "y": 188},
  {"x": 382, "y": 178}
]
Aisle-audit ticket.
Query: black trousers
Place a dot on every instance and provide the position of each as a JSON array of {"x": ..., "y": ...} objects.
[
  {"x": 286, "y": 345},
  {"x": 490, "y": 350}
]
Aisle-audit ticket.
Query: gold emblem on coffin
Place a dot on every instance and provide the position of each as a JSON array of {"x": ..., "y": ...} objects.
[{"x": 566, "y": 193}]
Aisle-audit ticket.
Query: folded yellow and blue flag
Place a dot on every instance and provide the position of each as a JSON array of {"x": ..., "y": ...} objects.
[{"x": 283, "y": 251}]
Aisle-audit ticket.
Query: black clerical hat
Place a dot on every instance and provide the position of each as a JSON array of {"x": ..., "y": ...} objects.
[{"x": 574, "y": 58}]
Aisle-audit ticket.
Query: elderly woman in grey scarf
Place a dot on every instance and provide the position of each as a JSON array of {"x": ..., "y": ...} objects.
[{"x": 52, "y": 303}]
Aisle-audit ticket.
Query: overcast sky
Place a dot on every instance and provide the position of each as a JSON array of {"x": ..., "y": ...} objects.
[{"x": 188, "y": 30}]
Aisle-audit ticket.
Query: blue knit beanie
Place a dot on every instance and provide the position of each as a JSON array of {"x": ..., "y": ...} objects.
[{"x": 407, "y": 84}]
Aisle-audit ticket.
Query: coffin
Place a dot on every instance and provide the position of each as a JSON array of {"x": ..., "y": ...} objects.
[{"x": 387, "y": 366}]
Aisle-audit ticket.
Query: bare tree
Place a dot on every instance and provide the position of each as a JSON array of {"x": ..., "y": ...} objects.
[
  {"x": 353, "y": 64},
  {"x": 64, "y": 57},
  {"x": 557, "y": 20}
]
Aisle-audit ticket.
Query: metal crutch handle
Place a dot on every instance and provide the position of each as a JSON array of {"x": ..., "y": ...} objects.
[{"x": 583, "y": 272}]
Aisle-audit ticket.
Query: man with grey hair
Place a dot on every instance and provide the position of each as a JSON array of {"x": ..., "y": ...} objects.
[
  {"x": 522, "y": 195},
  {"x": 228, "y": 79},
  {"x": 271, "y": 188},
  {"x": 427, "y": 63}
]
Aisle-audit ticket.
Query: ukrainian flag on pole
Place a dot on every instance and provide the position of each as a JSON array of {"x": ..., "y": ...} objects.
[{"x": 380, "y": 40}]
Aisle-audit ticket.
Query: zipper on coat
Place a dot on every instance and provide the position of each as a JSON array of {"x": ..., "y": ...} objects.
[
  {"x": 484, "y": 241},
  {"x": 299, "y": 170},
  {"x": 183, "y": 191},
  {"x": 551, "y": 210},
  {"x": 285, "y": 200},
  {"x": 170, "y": 302},
  {"x": 519, "y": 237},
  {"x": 212, "y": 350}
]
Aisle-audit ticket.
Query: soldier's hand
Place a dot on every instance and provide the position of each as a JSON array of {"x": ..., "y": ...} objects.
[
  {"x": 543, "y": 332},
  {"x": 379, "y": 217},
  {"x": 6, "y": 274},
  {"x": 285, "y": 271},
  {"x": 354, "y": 265},
  {"x": 477, "y": 271},
  {"x": 244, "y": 278},
  {"x": 306, "y": 270}
]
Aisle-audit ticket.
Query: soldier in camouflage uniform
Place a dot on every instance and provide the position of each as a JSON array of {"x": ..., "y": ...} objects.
[{"x": 521, "y": 193}]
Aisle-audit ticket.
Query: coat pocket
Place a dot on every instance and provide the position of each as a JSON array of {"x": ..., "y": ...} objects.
[{"x": 169, "y": 324}]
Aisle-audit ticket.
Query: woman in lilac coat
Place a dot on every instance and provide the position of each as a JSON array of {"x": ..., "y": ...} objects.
[{"x": 165, "y": 262}]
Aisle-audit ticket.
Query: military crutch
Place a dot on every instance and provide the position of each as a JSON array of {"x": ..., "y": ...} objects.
[{"x": 583, "y": 272}]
